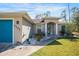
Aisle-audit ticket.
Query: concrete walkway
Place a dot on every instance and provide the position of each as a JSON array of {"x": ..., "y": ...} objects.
[{"x": 25, "y": 50}]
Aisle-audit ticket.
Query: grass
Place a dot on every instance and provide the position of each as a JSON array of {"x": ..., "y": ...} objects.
[{"x": 60, "y": 47}]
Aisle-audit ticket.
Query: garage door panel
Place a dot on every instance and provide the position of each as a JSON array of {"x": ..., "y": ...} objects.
[{"x": 5, "y": 31}]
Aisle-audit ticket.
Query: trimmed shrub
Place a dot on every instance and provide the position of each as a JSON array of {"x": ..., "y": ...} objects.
[{"x": 38, "y": 36}]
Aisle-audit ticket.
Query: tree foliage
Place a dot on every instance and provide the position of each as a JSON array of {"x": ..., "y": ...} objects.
[
  {"x": 75, "y": 18},
  {"x": 46, "y": 14},
  {"x": 73, "y": 25}
]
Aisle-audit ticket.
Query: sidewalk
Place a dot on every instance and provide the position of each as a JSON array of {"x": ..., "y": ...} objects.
[{"x": 25, "y": 50}]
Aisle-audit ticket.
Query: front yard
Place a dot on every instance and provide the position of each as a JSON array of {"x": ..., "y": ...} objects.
[{"x": 60, "y": 47}]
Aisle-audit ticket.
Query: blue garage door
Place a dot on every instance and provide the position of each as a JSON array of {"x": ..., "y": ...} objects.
[{"x": 6, "y": 31}]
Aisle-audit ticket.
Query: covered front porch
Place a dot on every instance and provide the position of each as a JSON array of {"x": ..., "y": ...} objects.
[{"x": 48, "y": 29}]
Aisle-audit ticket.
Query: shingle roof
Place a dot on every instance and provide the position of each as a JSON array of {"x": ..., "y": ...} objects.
[
  {"x": 46, "y": 18},
  {"x": 37, "y": 20},
  {"x": 52, "y": 18},
  {"x": 21, "y": 13}
]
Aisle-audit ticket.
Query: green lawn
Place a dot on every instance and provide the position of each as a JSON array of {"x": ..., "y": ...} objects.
[{"x": 60, "y": 47}]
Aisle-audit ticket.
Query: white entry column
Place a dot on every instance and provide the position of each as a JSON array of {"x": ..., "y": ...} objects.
[
  {"x": 56, "y": 29},
  {"x": 46, "y": 29}
]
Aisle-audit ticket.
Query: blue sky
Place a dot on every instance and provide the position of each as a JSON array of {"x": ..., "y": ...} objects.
[{"x": 36, "y": 8}]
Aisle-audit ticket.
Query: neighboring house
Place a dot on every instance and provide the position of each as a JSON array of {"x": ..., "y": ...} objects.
[{"x": 18, "y": 26}]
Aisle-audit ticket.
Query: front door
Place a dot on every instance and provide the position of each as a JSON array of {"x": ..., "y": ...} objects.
[{"x": 50, "y": 28}]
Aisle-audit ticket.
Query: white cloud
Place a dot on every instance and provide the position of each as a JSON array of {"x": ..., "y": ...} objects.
[
  {"x": 49, "y": 8},
  {"x": 55, "y": 10}
]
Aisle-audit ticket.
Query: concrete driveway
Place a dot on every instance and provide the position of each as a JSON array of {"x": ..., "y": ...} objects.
[
  {"x": 20, "y": 51},
  {"x": 25, "y": 50},
  {"x": 4, "y": 46}
]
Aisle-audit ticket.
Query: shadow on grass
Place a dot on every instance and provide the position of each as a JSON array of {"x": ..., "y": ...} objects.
[
  {"x": 73, "y": 39},
  {"x": 67, "y": 37},
  {"x": 55, "y": 43}
]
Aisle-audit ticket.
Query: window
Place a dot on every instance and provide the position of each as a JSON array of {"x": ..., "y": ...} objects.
[{"x": 38, "y": 28}]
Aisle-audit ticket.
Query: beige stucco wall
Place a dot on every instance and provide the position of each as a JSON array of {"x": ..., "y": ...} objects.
[{"x": 18, "y": 30}]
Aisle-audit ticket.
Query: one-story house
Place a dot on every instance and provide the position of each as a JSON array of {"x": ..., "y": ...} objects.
[{"x": 18, "y": 26}]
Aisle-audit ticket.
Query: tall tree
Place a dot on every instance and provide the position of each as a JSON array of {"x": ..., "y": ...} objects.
[
  {"x": 69, "y": 12},
  {"x": 38, "y": 16},
  {"x": 46, "y": 14},
  {"x": 75, "y": 18},
  {"x": 63, "y": 14}
]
